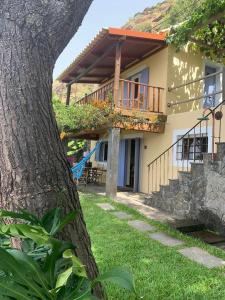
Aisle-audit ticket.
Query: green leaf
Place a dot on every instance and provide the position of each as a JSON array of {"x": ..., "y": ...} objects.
[
  {"x": 50, "y": 265},
  {"x": 78, "y": 267},
  {"x": 118, "y": 276},
  {"x": 71, "y": 143},
  {"x": 70, "y": 153},
  {"x": 22, "y": 215},
  {"x": 51, "y": 221},
  {"x": 63, "y": 277},
  {"x": 35, "y": 233},
  {"x": 21, "y": 278}
]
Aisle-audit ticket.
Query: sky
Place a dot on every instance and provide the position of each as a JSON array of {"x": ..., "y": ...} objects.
[{"x": 101, "y": 14}]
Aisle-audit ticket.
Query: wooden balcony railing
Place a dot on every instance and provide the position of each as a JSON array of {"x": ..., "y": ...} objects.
[
  {"x": 138, "y": 96},
  {"x": 133, "y": 96},
  {"x": 105, "y": 93}
]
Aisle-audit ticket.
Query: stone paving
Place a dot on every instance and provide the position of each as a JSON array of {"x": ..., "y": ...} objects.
[
  {"x": 135, "y": 201},
  {"x": 106, "y": 206},
  {"x": 202, "y": 257},
  {"x": 165, "y": 239},
  {"x": 122, "y": 215},
  {"x": 141, "y": 226}
]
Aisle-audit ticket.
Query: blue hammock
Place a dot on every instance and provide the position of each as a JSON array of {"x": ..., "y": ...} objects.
[{"x": 79, "y": 168}]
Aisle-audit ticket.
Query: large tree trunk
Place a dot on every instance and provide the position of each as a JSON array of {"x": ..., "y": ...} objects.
[{"x": 34, "y": 173}]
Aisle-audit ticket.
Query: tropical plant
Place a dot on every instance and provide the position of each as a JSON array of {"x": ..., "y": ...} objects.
[{"x": 45, "y": 268}]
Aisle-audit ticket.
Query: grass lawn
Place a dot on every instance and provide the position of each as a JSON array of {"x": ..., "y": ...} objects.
[{"x": 160, "y": 272}]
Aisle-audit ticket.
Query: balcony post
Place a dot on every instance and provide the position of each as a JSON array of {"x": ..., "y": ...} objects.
[
  {"x": 112, "y": 162},
  {"x": 68, "y": 94},
  {"x": 117, "y": 73}
]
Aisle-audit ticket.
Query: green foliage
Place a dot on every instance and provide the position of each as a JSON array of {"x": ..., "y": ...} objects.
[
  {"x": 45, "y": 267},
  {"x": 75, "y": 147},
  {"x": 205, "y": 27},
  {"x": 78, "y": 117}
]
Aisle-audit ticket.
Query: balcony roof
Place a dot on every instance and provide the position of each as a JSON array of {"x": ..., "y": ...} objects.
[{"x": 136, "y": 45}]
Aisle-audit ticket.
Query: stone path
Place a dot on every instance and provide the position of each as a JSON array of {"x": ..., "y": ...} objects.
[
  {"x": 202, "y": 257},
  {"x": 136, "y": 202},
  {"x": 193, "y": 253},
  {"x": 122, "y": 215},
  {"x": 106, "y": 206},
  {"x": 165, "y": 239},
  {"x": 141, "y": 226}
]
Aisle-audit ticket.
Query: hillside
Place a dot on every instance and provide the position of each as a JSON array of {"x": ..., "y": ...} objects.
[
  {"x": 77, "y": 91},
  {"x": 162, "y": 15}
]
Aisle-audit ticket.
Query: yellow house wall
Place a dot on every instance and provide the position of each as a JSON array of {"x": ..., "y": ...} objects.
[
  {"x": 169, "y": 68},
  {"x": 183, "y": 66}
]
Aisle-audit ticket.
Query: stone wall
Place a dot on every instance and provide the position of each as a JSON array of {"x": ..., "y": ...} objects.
[{"x": 199, "y": 194}]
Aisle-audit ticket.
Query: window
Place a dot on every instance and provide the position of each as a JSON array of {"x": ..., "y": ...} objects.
[{"x": 192, "y": 147}]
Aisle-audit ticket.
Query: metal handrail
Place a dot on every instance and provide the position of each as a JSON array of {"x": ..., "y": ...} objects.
[
  {"x": 193, "y": 81},
  {"x": 211, "y": 112},
  {"x": 190, "y": 148},
  {"x": 170, "y": 104}
]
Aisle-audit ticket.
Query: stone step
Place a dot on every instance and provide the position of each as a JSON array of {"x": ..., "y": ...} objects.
[
  {"x": 165, "y": 239},
  {"x": 141, "y": 226},
  {"x": 122, "y": 215},
  {"x": 164, "y": 189},
  {"x": 184, "y": 176},
  {"x": 174, "y": 183},
  {"x": 202, "y": 257}
]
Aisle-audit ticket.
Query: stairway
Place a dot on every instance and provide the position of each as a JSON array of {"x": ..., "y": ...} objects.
[{"x": 198, "y": 194}]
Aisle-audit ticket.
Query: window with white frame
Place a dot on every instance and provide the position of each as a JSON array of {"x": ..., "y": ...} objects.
[{"x": 192, "y": 147}]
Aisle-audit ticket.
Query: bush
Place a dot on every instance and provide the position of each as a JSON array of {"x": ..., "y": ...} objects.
[{"x": 79, "y": 117}]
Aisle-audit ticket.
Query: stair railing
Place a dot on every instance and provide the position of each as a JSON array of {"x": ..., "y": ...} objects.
[{"x": 188, "y": 148}]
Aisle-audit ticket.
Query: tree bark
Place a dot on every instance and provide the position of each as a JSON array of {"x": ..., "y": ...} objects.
[{"x": 34, "y": 172}]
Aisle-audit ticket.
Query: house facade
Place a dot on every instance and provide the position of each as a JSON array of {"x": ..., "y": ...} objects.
[{"x": 179, "y": 96}]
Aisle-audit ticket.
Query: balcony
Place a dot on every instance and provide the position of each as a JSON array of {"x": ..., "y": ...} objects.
[{"x": 133, "y": 98}]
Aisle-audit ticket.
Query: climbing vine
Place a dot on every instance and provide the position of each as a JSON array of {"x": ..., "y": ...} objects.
[{"x": 205, "y": 28}]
